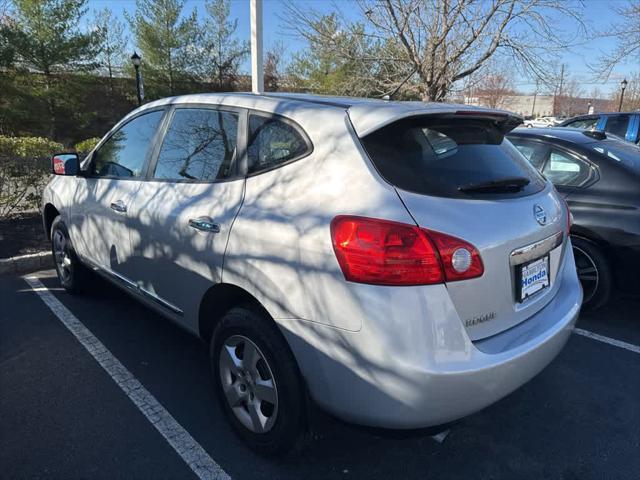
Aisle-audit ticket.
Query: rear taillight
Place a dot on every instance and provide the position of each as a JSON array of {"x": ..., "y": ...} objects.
[
  {"x": 460, "y": 259},
  {"x": 382, "y": 252}
]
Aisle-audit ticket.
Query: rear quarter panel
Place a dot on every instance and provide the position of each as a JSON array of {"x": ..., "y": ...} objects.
[{"x": 280, "y": 247}]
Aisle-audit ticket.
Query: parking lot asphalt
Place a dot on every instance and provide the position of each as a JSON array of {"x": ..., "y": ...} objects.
[{"x": 63, "y": 416}]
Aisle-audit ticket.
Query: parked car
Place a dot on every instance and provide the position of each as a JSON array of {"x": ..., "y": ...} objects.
[
  {"x": 624, "y": 125},
  {"x": 599, "y": 176},
  {"x": 540, "y": 122},
  {"x": 398, "y": 262}
]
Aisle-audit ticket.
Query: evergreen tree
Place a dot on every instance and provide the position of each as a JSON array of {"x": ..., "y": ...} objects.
[
  {"x": 166, "y": 42},
  {"x": 111, "y": 44},
  {"x": 46, "y": 39},
  {"x": 221, "y": 52}
]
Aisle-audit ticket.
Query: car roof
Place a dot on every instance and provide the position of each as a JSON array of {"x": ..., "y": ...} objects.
[{"x": 366, "y": 114}]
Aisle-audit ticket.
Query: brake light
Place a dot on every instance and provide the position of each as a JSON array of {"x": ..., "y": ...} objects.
[{"x": 382, "y": 252}]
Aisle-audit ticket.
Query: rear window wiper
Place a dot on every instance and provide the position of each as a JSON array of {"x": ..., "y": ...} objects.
[{"x": 503, "y": 185}]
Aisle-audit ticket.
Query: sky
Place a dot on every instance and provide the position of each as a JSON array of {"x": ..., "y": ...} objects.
[{"x": 598, "y": 15}]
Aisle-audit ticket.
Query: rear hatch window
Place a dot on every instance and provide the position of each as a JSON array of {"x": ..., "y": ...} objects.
[
  {"x": 448, "y": 157},
  {"x": 626, "y": 153}
]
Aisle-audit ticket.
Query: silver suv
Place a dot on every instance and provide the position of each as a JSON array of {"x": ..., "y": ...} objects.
[{"x": 399, "y": 263}]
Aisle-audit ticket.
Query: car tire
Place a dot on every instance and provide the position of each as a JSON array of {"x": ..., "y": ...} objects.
[
  {"x": 262, "y": 396},
  {"x": 594, "y": 273},
  {"x": 73, "y": 275}
]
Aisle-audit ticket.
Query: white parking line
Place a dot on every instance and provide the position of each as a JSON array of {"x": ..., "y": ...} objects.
[
  {"x": 611, "y": 341},
  {"x": 184, "y": 444}
]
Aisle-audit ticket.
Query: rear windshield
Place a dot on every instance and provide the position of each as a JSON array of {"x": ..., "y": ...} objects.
[
  {"x": 624, "y": 152},
  {"x": 449, "y": 158}
]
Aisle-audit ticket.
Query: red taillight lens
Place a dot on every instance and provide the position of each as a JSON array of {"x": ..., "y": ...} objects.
[{"x": 382, "y": 252}]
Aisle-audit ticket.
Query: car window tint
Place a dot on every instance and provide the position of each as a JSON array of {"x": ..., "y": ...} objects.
[
  {"x": 272, "y": 142},
  {"x": 532, "y": 151},
  {"x": 617, "y": 125},
  {"x": 124, "y": 153},
  {"x": 587, "y": 123},
  {"x": 200, "y": 144},
  {"x": 443, "y": 157},
  {"x": 565, "y": 169}
]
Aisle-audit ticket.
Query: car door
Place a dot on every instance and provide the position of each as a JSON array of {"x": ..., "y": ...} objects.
[
  {"x": 186, "y": 208},
  {"x": 102, "y": 220}
]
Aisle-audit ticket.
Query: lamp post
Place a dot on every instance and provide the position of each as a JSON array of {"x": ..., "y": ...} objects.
[
  {"x": 136, "y": 60},
  {"x": 623, "y": 85}
]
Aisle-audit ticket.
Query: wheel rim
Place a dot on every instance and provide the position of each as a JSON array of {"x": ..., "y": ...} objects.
[
  {"x": 62, "y": 255},
  {"x": 587, "y": 273},
  {"x": 248, "y": 384}
]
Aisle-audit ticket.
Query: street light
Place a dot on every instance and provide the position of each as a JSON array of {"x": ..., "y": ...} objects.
[
  {"x": 136, "y": 60},
  {"x": 623, "y": 85}
]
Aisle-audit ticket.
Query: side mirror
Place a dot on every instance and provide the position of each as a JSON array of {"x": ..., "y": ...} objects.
[{"x": 65, "y": 164}]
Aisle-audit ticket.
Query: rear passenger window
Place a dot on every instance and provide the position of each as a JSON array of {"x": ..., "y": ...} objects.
[
  {"x": 124, "y": 153},
  {"x": 617, "y": 125},
  {"x": 200, "y": 145},
  {"x": 272, "y": 141},
  {"x": 565, "y": 169}
]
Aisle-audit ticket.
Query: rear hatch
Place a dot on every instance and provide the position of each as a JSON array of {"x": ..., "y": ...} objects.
[{"x": 457, "y": 174}]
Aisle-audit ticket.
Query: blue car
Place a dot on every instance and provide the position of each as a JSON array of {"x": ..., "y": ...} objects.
[{"x": 624, "y": 125}]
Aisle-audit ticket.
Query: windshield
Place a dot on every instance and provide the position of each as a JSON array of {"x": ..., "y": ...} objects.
[
  {"x": 451, "y": 158},
  {"x": 624, "y": 152}
]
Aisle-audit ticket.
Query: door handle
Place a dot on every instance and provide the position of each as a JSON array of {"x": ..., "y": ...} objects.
[
  {"x": 204, "y": 224},
  {"x": 119, "y": 206}
]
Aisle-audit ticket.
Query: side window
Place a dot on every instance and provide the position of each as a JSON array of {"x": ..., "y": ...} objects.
[
  {"x": 200, "y": 144},
  {"x": 587, "y": 123},
  {"x": 124, "y": 153},
  {"x": 272, "y": 142},
  {"x": 565, "y": 169},
  {"x": 532, "y": 151},
  {"x": 617, "y": 125}
]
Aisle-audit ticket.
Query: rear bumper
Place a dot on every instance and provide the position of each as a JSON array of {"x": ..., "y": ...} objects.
[{"x": 402, "y": 371}]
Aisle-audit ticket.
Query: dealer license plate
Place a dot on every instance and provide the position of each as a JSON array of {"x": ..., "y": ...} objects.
[{"x": 533, "y": 277}]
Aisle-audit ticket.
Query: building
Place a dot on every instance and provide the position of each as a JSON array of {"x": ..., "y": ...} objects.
[{"x": 534, "y": 106}]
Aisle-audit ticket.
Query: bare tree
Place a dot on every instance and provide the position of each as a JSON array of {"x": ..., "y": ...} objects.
[
  {"x": 571, "y": 101},
  {"x": 631, "y": 101},
  {"x": 433, "y": 44},
  {"x": 493, "y": 87},
  {"x": 626, "y": 31},
  {"x": 4, "y": 9},
  {"x": 273, "y": 67}
]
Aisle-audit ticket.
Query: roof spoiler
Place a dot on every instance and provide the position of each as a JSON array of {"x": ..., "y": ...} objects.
[
  {"x": 367, "y": 118},
  {"x": 504, "y": 120}
]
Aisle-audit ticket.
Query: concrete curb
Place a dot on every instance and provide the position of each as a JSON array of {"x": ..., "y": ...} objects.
[{"x": 26, "y": 263}]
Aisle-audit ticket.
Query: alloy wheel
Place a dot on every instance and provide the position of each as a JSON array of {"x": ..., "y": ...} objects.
[
  {"x": 62, "y": 255},
  {"x": 587, "y": 273},
  {"x": 248, "y": 384}
]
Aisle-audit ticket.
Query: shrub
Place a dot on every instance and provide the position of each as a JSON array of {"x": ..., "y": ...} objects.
[
  {"x": 28, "y": 147},
  {"x": 24, "y": 171},
  {"x": 85, "y": 146}
]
